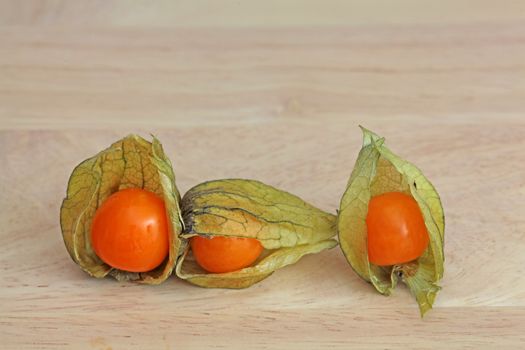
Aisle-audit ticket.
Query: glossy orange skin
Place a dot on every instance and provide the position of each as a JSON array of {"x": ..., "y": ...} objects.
[
  {"x": 130, "y": 231},
  {"x": 221, "y": 254},
  {"x": 396, "y": 229}
]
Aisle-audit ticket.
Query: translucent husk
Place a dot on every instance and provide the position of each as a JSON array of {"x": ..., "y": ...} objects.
[
  {"x": 287, "y": 227},
  {"x": 378, "y": 170},
  {"x": 128, "y": 163}
]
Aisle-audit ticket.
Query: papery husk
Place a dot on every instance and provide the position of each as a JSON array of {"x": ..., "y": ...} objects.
[
  {"x": 131, "y": 162},
  {"x": 287, "y": 227},
  {"x": 377, "y": 171}
]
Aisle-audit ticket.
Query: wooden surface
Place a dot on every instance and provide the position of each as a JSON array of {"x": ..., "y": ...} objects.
[{"x": 273, "y": 91}]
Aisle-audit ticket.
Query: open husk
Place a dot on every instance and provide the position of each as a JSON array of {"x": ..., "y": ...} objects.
[
  {"x": 287, "y": 227},
  {"x": 128, "y": 163},
  {"x": 378, "y": 170}
]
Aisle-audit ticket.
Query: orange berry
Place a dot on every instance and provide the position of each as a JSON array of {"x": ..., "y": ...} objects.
[
  {"x": 130, "y": 231},
  {"x": 396, "y": 229},
  {"x": 221, "y": 254}
]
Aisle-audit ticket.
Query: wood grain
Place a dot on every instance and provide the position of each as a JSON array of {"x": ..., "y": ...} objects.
[{"x": 279, "y": 101}]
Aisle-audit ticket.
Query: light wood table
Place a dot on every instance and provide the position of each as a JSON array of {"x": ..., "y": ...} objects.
[{"x": 272, "y": 91}]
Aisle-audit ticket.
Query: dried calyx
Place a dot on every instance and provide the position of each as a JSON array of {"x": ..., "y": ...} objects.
[
  {"x": 378, "y": 171},
  {"x": 287, "y": 227},
  {"x": 128, "y": 163}
]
